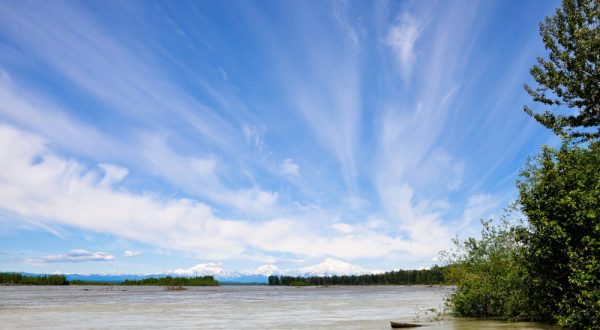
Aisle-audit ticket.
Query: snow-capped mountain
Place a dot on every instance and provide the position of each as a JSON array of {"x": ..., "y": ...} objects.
[
  {"x": 266, "y": 270},
  {"x": 201, "y": 270},
  {"x": 258, "y": 275},
  {"x": 327, "y": 267},
  {"x": 331, "y": 267}
]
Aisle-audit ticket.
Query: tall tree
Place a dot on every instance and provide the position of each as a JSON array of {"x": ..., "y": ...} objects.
[
  {"x": 559, "y": 192},
  {"x": 569, "y": 79}
]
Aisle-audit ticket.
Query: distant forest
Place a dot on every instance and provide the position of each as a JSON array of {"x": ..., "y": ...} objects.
[
  {"x": 175, "y": 281},
  {"x": 20, "y": 279},
  {"x": 435, "y": 275}
]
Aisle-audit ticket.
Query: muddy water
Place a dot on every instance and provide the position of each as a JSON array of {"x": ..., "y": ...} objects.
[{"x": 230, "y": 307}]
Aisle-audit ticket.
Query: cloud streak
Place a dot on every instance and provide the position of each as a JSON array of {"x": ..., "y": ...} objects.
[
  {"x": 131, "y": 253},
  {"x": 402, "y": 38},
  {"x": 77, "y": 255},
  {"x": 102, "y": 67}
]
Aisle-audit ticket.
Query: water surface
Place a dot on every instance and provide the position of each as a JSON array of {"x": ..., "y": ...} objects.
[{"x": 230, "y": 307}]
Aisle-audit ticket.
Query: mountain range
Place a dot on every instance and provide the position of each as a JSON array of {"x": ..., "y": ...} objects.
[{"x": 328, "y": 267}]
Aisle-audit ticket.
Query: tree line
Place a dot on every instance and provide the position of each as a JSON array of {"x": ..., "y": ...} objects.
[
  {"x": 20, "y": 279},
  {"x": 435, "y": 275},
  {"x": 175, "y": 281}
]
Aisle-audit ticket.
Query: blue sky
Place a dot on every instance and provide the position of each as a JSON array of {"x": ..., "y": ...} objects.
[{"x": 143, "y": 137}]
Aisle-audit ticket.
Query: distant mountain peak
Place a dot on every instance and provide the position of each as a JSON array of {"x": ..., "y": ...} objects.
[
  {"x": 201, "y": 270},
  {"x": 331, "y": 266}
]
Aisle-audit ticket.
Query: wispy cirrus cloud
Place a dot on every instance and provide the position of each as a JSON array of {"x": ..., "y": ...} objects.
[
  {"x": 77, "y": 255},
  {"x": 202, "y": 176},
  {"x": 290, "y": 168},
  {"x": 147, "y": 152},
  {"x": 21, "y": 106},
  {"x": 104, "y": 68},
  {"x": 416, "y": 172},
  {"x": 346, "y": 130},
  {"x": 326, "y": 89},
  {"x": 131, "y": 253},
  {"x": 402, "y": 37}
]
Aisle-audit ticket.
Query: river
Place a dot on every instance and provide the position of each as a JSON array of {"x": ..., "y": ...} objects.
[{"x": 230, "y": 307}]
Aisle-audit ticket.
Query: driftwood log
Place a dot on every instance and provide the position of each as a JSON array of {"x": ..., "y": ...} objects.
[{"x": 402, "y": 325}]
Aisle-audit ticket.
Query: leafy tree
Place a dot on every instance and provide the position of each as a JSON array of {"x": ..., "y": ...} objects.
[
  {"x": 571, "y": 75},
  {"x": 560, "y": 195}
]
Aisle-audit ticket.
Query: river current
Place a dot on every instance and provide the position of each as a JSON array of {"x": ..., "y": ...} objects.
[{"x": 231, "y": 307}]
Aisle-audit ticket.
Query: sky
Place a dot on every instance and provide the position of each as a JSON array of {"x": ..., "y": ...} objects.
[{"x": 153, "y": 136}]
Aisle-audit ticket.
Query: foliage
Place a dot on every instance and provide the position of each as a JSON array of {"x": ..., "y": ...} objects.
[
  {"x": 547, "y": 269},
  {"x": 20, "y": 279},
  {"x": 571, "y": 75},
  {"x": 175, "y": 281},
  {"x": 560, "y": 195},
  {"x": 489, "y": 274},
  {"x": 435, "y": 275}
]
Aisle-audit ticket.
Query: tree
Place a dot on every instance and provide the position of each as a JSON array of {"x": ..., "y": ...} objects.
[
  {"x": 571, "y": 75},
  {"x": 559, "y": 192}
]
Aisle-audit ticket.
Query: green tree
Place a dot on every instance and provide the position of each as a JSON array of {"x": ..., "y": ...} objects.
[
  {"x": 559, "y": 192},
  {"x": 569, "y": 80}
]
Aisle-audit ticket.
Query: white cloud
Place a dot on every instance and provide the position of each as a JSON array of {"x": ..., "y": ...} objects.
[
  {"x": 255, "y": 135},
  {"x": 402, "y": 38},
  {"x": 36, "y": 183},
  {"x": 77, "y": 255},
  {"x": 343, "y": 227},
  {"x": 152, "y": 154},
  {"x": 290, "y": 168},
  {"x": 113, "y": 174},
  {"x": 417, "y": 218},
  {"x": 131, "y": 253},
  {"x": 477, "y": 207},
  {"x": 202, "y": 176},
  {"x": 374, "y": 222}
]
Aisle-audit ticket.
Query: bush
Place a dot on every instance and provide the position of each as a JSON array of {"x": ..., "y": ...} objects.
[{"x": 489, "y": 274}]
